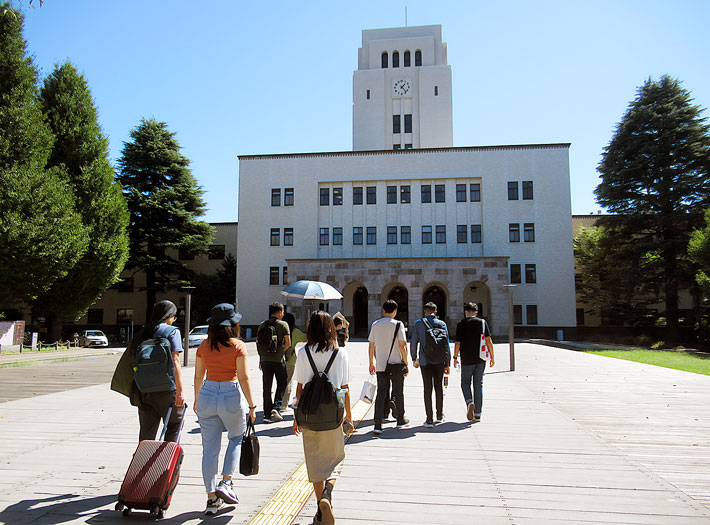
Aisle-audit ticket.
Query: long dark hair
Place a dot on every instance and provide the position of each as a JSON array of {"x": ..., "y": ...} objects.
[
  {"x": 220, "y": 335},
  {"x": 321, "y": 331}
]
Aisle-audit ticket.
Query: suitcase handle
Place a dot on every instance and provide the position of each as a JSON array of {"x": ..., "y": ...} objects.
[{"x": 167, "y": 420}]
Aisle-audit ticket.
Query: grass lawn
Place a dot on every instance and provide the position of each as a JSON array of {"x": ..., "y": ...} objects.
[{"x": 677, "y": 359}]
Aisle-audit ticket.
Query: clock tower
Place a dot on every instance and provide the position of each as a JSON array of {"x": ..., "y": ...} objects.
[{"x": 402, "y": 90}]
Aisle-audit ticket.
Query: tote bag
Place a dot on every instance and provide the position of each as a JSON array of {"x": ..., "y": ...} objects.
[
  {"x": 249, "y": 460},
  {"x": 484, "y": 352}
]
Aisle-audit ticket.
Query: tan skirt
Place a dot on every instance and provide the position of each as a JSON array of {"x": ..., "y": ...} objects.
[{"x": 324, "y": 452}]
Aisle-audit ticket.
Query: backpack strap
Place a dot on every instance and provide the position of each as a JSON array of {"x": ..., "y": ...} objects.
[
  {"x": 426, "y": 323},
  {"x": 327, "y": 367},
  {"x": 165, "y": 331}
]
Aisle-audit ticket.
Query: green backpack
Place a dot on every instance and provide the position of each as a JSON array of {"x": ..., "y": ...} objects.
[{"x": 154, "y": 368}]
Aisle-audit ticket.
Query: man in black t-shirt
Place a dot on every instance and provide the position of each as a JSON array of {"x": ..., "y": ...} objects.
[{"x": 468, "y": 344}]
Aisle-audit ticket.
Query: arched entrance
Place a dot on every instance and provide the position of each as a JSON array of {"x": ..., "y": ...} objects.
[
  {"x": 360, "y": 312},
  {"x": 401, "y": 296},
  {"x": 436, "y": 295},
  {"x": 478, "y": 293}
]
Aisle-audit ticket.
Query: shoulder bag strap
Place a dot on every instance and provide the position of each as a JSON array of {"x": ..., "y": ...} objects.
[
  {"x": 396, "y": 331},
  {"x": 426, "y": 323}
]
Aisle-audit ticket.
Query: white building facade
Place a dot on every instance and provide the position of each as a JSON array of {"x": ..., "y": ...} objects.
[{"x": 406, "y": 215}]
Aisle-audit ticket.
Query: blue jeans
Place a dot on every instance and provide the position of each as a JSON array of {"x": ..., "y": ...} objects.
[
  {"x": 221, "y": 405},
  {"x": 475, "y": 373}
]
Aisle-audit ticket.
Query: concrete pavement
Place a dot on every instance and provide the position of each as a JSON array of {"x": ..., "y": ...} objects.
[{"x": 568, "y": 438}]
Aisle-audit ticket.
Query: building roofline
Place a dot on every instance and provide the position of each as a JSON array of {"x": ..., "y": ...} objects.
[
  {"x": 405, "y": 151},
  {"x": 385, "y": 259}
]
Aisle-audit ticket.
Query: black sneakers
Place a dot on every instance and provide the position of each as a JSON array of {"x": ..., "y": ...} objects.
[{"x": 325, "y": 506}]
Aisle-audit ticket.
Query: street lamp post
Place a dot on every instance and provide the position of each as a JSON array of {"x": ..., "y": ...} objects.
[
  {"x": 188, "y": 305},
  {"x": 511, "y": 328}
]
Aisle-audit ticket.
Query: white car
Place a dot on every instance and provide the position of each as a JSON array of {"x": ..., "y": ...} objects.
[
  {"x": 197, "y": 335},
  {"x": 93, "y": 338}
]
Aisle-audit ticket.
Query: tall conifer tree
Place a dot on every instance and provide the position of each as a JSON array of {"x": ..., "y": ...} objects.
[
  {"x": 41, "y": 234},
  {"x": 81, "y": 151},
  {"x": 165, "y": 203},
  {"x": 656, "y": 179}
]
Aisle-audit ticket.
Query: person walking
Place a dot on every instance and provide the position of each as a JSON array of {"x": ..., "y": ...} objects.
[
  {"x": 341, "y": 329},
  {"x": 153, "y": 406},
  {"x": 273, "y": 339},
  {"x": 433, "y": 367},
  {"x": 223, "y": 399},
  {"x": 324, "y": 450},
  {"x": 468, "y": 344},
  {"x": 388, "y": 358}
]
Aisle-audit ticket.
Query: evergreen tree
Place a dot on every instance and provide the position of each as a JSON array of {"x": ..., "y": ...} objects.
[
  {"x": 656, "y": 179},
  {"x": 212, "y": 289},
  {"x": 41, "y": 234},
  {"x": 699, "y": 251},
  {"x": 81, "y": 150},
  {"x": 165, "y": 202}
]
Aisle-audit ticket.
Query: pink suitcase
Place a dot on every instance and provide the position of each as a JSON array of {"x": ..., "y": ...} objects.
[{"x": 152, "y": 475}]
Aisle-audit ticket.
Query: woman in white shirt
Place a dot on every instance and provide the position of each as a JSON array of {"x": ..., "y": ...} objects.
[{"x": 325, "y": 449}]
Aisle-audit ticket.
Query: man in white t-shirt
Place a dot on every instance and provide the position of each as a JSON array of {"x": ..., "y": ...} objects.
[{"x": 388, "y": 345}]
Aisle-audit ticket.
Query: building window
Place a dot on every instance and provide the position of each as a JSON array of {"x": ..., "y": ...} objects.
[
  {"x": 125, "y": 285},
  {"x": 517, "y": 314},
  {"x": 396, "y": 124},
  {"x": 530, "y": 273},
  {"x": 436, "y": 91},
  {"x": 395, "y": 59},
  {"x": 385, "y": 65},
  {"x": 124, "y": 315},
  {"x": 391, "y": 234},
  {"x": 288, "y": 197},
  {"x": 515, "y": 274},
  {"x": 357, "y": 195},
  {"x": 284, "y": 275},
  {"x": 275, "y": 237},
  {"x": 407, "y": 59},
  {"x": 426, "y": 234},
  {"x": 357, "y": 235},
  {"x": 185, "y": 254},
  {"x": 406, "y": 234},
  {"x": 440, "y": 193},
  {"x": 476, "y": 233},
  {"x": 95, "y": 316},
  {"x": 396, "y": 147},
  {"x": 368, "y": 94},
  {"x": 372, "y": 195},
  {"x": 462, "y": 234},
  {"x": 276, "y": 196},
  {"x": 323, "y": 239},
  {"x": 527, "y": 190},
  {"x": 460, "y": 193},
  {"x": 529, "y": 232},
  {"x": 408, "y": 123},
  {"x": 580, "y": 316},
  {"x": 216, "y": 251},
  {"x": 440, "y": 234},
  {"x": 324, "y": 196},
  {"x": 475, "y": 192},
  {"x": 391, "y": 194},
  {"x": 426, "y": 193},
  {"x": 337, "y": 196},
  {"x": 404, "y": 195},
  {"x": 371, "y": 235},
  {"x": 274, "y": 275},
  {"x": 408, "y": 146},
  {"x": 514, "y": 232},
  {"x": 337, "y": 236},
  {"x": 513, "y": 191},
  {"x": 531, "y": 313},
  {"x": 418, "y": 58},
  {"x": 288, "y": 236}
]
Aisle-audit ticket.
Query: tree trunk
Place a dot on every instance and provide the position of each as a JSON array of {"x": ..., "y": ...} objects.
[
  {"x": 671, "y": 293},
  {"x": 150, "y": 294},
  {"x": 54, "y": 328}
]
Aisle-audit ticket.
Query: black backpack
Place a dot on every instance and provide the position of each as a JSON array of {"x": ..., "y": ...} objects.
[
  {"x": 320, "y": 407},
  {"x": 267, "y": 340},
  {"x": 436, "y": 344},
  {"x": 153, "y": 363}
]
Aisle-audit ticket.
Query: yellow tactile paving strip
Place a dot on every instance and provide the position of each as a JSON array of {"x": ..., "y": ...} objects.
[{"x": 288, "y": 501}]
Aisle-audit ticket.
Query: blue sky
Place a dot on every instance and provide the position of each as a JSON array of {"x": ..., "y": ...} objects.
[{"x": 236, "y": 78}]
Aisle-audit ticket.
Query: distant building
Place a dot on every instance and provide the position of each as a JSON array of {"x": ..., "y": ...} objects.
[{"x": 407, "y": 215}]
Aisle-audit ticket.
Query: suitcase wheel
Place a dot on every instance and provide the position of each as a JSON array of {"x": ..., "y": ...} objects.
[
  {"x": 119, "y": 506},
  {"x": 157, "y": 512},
  {"x": 127, "y": 511}
]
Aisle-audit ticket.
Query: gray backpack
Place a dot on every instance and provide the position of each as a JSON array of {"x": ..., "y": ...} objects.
[{"x": 153, "y": 367}]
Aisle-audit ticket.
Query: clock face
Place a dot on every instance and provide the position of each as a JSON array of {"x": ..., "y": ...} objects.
[{"x": 401, "y": 87}]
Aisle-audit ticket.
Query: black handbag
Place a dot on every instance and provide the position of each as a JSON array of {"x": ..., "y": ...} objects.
[
  {"x": 395, "y": 369},
  {"x": 249, "y": 460}
]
